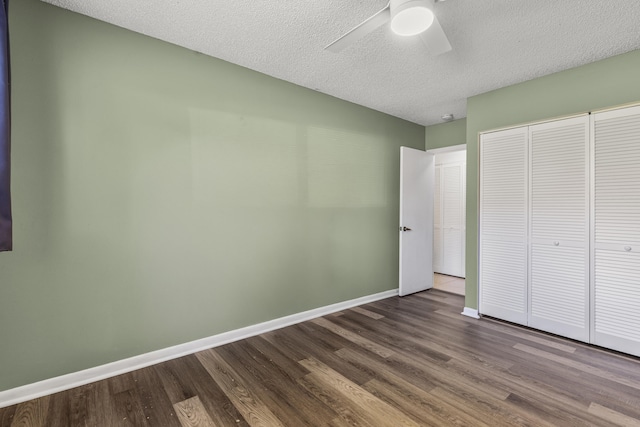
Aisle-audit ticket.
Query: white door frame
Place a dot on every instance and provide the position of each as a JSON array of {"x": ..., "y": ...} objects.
[{"x": 443, "y": 150}]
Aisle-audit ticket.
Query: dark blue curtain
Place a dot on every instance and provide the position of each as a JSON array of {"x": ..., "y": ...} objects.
[{"x": 6, "y": 240}]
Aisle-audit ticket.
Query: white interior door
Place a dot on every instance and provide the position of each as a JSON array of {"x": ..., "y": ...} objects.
[{"x": 417, "y": 175}]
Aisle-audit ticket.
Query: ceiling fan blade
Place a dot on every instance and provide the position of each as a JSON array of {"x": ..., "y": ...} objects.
[
  {"x": 435, "y": 39},
  {"x": 361, "y": 30}
]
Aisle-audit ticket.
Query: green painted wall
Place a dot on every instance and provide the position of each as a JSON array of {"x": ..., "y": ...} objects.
[
  {"x": 162, "y": 196},
  {"x": 446, "y": 134},
  {"x": 610, "y": 82}
]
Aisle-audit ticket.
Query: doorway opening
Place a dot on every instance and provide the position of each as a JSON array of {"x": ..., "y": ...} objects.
[{"x": 449, "y": 225}]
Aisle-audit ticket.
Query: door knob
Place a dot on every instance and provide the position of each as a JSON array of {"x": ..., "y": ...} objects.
[{"x": 405, "y": 229}]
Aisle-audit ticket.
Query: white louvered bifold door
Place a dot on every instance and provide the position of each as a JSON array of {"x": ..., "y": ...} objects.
[
  {"x": 559, "y": 227},
  {"x": 437, "y": 222},
  {"x": 503, "y": 225},
  {"x": 616, "y": 230}
]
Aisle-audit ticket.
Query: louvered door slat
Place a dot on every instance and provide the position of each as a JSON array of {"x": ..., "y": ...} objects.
[
  {"x": 558, "y": 281},
  {"x": 503, "y": 225},
  {"x": 616, "y": 230}
]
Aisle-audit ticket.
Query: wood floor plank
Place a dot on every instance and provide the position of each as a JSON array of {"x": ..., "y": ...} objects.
[
  {"x": 439, "y": 298},
  {"x": 631, "y": 382},
  {"x": 121, "y": 383},
  {"x": 156, "y": 405},
  {"x": 129, "y": 409},
  {"x": 482, "y": 410},
  {"x": 392, "y": 340},
  {"x": 623, "y": 365},
  {"x": 339, "y": 422},
  {"x": 418, "y": 404},
  {"x": 353, "y": 337},
  {"x": 403, "y": 389},
  {"x": 321, "y": 337},
  {"x": 413, "y": 306},
  {"x": 382, "y": 414},
  {"x": 91, "y": 405},
  {"x": 252, "y": 408},
  {"x": 6, "y": 415},
  {"x": 348, "y": 413},
  {"x": 174, "y": 376},
  {"x": 367, "y": 313},
  {"x": 305, "y": 343},
  {"x": 529, "y": 336},
  {"x": 615, "y": 417},
  {"x": 431, "y": 296},
  {"x": 387, "y": 370},
  {"x": 427, "y": 322},
  {"x": 32, "y": 413},
  {"x": 186, "y": 377},
  {"x": 79, "y": 405},
  {"x": 292, "y": 404},
  {"x": 446, "y": 343},
  {"x": 538, "y": 415},
  {"x": 572, "y": 389},
  {"x": 59, "y": 414},
  {"x": 285, "y": 340},
  {"x": 536, "y": 389},
  {"x": 457, "y": 316},
  {"x": 191, "y": 413},
  {"x": 464, "y": 381},
  {"x": 277, "y": 357}
]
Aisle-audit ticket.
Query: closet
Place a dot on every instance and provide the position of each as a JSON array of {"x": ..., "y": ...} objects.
[{"x": 559, "y": 245}]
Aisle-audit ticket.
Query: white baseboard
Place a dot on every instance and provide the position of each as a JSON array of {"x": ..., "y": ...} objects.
[
  {"x": 76, "y": 379},
  {"x": 470, "y": 312}
]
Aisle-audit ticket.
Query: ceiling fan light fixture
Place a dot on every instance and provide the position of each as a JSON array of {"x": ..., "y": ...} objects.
[{"x": 410, "y": 17}]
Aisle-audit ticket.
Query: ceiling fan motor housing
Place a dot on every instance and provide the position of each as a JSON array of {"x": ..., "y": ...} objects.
[{"x": 411, "y": 17}]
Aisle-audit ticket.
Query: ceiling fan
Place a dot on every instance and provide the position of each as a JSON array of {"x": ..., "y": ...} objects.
[{"x": 408, "y": 18}]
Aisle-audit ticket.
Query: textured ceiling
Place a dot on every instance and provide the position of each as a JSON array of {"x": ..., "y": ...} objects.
[{"x": 496, "y": 43}]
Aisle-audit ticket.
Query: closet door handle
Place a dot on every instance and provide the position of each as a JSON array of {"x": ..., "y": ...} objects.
[
  {"x": 627, "y": 248},
  {"x": 556, "y": 243}
]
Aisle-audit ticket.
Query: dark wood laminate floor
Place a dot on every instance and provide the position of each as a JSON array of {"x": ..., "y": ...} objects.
[{"x": 412, "y": 361}]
